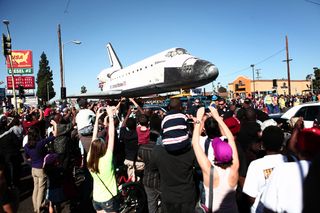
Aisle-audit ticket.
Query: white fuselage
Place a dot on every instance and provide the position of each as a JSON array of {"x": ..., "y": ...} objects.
[
  {"x": 149, "y": 71},
  {"x": 167, "y": 71}
]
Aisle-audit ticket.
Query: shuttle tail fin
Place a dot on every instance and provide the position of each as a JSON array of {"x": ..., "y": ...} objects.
[{"x": 113, "y": 58}]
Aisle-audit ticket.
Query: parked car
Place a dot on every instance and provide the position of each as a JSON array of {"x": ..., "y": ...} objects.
[{"x": 309, "y": 112}]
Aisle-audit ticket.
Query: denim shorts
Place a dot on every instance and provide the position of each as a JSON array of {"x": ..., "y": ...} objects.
[{"x": 111, "y": 205}]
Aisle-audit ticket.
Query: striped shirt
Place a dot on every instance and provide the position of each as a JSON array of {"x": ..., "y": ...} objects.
[{"x": 175, "y": 134}]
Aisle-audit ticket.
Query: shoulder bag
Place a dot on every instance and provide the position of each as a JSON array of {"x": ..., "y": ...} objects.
[
  {"x": 210, "y": 190},
  {"x": 200, "y": 207},
  {"x": 116, "y": 197}
]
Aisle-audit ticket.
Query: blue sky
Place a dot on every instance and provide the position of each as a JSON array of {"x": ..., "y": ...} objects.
[{"x": 229, "y": 33}]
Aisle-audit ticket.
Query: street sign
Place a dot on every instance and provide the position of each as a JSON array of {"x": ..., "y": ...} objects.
[
  {"x": 26, "y": 81},
  {"x": 21, "y": 71},
  {"x": 31, "y": 101},
  {"x": 20, "y": 59}
]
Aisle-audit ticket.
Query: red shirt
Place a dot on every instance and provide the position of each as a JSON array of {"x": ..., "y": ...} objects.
[
  {"x": 143, "y": 135},
  {"x": 27, "y": 124}
]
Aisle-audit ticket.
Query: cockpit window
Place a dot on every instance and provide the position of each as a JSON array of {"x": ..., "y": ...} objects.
[{"x": 177, "y": 51}]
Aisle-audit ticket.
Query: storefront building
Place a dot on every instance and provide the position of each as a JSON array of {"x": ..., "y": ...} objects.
[{"x": 245, "y": 86}]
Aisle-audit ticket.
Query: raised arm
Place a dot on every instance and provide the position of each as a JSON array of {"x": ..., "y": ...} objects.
[
  {"x": 200, "y": 155},
  {"x": 110, "y": 112},
  {"x": 137, "y": 105},
  {"x": 55, "y": 129},
  {"x": 40, "y": 114},
  {"x": 119, "y": 103},
  {"x": 294, "y": 137},
  {"x": 124, "y": 123},
  {"x": 223, "y": 128},
  {"x": 96, "y": 123}
]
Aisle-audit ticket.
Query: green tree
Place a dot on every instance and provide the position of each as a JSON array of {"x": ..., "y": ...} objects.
[
  {"x": 83, "y": 90},
  {"x": 44, "y": 81},
  {"x": 316, "y": 80}
]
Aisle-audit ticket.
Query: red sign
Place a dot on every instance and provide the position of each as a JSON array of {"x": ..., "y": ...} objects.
[
  {"x": 26, "y": 81},
  {"x": 20, "y": 59}
]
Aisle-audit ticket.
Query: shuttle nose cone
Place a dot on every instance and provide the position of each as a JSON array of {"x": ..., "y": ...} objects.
[
  {"x": 205, "y": 70},
  {"x": 211, "y": 70}
]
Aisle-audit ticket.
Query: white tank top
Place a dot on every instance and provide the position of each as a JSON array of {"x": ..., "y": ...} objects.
[{"x": 224, "y": 196}]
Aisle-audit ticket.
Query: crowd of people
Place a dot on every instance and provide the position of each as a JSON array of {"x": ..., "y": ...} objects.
[{"x": 227, "y": 157}]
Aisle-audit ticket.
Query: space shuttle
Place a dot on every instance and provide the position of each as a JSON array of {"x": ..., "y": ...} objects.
[{"x": 167, "y": 71}]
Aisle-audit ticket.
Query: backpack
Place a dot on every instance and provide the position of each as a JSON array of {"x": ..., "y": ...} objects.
[{"x": 86, "y": 131}]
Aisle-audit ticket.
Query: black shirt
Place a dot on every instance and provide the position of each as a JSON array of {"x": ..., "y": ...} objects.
[
  {"x": 176, "y": 175},
  {"x": 130, "y": 140},
  {"x": 151, "y": 179}
]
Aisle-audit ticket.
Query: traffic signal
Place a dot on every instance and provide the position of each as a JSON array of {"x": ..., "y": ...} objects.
[
  {"x": 6, "y": 45},
  {"x": 63, "y": 93},
  {"x": 274, "y": 83},
  {"x": 21, "y": 91}
]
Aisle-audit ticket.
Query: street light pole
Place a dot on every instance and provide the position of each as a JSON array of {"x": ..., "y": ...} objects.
[
  {"x": 6, "y": 22},
  {"x": 61, "y": 57},
  {"x": 72, "y": 41}
]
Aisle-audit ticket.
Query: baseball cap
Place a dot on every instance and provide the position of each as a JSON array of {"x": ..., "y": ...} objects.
[
  {"x": 233, "y": 124},
  {"x": 214, "y": 97},
  {"x": 309, "y": 141},
  {"x": 222, "y": 151}
]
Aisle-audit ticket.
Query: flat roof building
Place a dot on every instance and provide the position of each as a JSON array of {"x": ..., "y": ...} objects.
[{"x": 244, "y": 86}]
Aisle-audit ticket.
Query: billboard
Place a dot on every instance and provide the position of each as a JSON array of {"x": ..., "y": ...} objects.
[
  {"x": 26, "y": 81},
  {"x": 20, "y": 59}
]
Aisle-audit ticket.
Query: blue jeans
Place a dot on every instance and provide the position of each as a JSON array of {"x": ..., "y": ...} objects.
[{"x": 111, "y": 205}]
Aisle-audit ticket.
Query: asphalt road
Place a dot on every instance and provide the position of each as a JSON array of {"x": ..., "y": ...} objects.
[{"x": 24, "y": 200}]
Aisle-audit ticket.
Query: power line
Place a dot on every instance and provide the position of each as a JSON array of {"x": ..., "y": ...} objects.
[
  {"x": 259, "y": 62},
  {"x": 270, "y": 57},
  {"x": 313, "y": 2}
]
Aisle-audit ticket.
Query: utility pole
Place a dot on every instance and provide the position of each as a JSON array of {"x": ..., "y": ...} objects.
[
  {"x": 254, "y": 86},
  {"x": 258, "y": 74},
  {"x": 62, "y": 88},
  {"x": 288, "y": 65}
]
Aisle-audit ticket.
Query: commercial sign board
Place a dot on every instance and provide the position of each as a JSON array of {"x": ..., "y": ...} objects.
[
  {"x": 20, "y": 59},
  {"x": 26, "y": 81},
  {"x": 21, "y": 71},
  {"x": 27, "y": 92}
]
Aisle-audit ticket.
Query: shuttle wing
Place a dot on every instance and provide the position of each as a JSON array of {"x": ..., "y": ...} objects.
[{"x": 98, "y": 95}]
